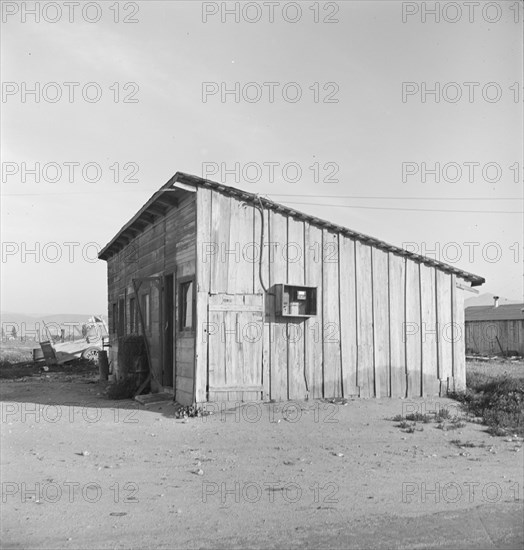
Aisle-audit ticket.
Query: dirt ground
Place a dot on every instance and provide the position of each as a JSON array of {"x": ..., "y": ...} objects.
[{"x": 80, "y": 471}]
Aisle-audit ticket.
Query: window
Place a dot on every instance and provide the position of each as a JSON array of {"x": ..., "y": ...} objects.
[
  {"x": 146, "y": 311},
  {"x": 132, "y": 315},
  {"x": 186, "y": 305}
]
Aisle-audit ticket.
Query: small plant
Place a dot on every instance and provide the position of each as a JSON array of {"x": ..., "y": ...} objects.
[
  {"x": 190, "y": 411},
  {"x": 497, "y": 431},
  {"x": 499, "y": 401},
  {"x": 443, "y": 414},
  {"x": 464, "y": 444},
  {"x": 456, "y": 423},
  {"x": 453, "y": 425},
  {"x": 409, "y": 427},
  {"x": 419, "y": 417}
]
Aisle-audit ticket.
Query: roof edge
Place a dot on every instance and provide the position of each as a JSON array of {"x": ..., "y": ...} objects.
[
  {"x": 104, "y": 253},
  {"x": 475, "y": 280},
  {"x": 260, "y": 201}
]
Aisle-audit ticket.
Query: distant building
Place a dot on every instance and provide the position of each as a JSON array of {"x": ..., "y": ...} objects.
[{"x": 494, "y": 329}]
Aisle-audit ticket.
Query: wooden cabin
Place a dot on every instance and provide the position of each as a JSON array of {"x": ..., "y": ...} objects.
[
  {"x": 495, "y": 330},
  {"x": 241, "y": 298}
]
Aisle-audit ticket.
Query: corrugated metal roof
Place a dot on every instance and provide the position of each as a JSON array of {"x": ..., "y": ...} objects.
[
  {"x": 507, "y": 312},
  {"x": 150, "y": 210}
]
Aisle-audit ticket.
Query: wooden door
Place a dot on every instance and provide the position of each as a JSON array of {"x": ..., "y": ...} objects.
[{"x": 235, "y": 338}]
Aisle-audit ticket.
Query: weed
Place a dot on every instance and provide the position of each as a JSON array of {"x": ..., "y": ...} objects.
[
  {"x": 443, "y": 414},
  {"x": 495, "y": 430},
  {"x": 190, "y": 411},
  {"x": 454, "y": 425},
  {"x": 498, "y": 401},
  {"x": 465, "y": 444},
  {"x": 419, "y": 417}
]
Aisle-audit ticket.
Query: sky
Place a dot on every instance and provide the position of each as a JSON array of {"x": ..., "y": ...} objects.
[{"x": 381, "y": 116}]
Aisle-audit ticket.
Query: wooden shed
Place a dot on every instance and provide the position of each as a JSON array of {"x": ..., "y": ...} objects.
[
  {"x": 242, "y": 298},
  {"x": 495, "y": 330}
]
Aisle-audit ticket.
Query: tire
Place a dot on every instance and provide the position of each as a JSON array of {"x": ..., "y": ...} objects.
[{"x": 91, "y": 354}]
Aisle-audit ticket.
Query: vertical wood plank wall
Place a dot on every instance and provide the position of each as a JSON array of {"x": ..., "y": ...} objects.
[
  {"x": 332, "y": 380},
  {"x": 428, "y": 297},
  {"x": 381, "y": 323},
  {"x": 413, "y": 330},
  {"x": 364, "y": 299},
  {"x": 313, "y": 326},
  {"x": 384, "y": 323},
  {"x": 397, "y": 339},
  {"x": 296, "y": 384},
  {"x": 203, "y": 281},
  {"x": 459, "y": 342},
  {"x": 348, "y": 316},
  {"x": 278, "y": 355}
]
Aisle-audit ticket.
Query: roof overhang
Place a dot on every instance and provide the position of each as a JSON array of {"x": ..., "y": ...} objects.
[{"x": 166, "y": 198}]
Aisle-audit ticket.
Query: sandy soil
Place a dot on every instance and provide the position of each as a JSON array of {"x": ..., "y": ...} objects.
[{"x": 79, "y": 471}]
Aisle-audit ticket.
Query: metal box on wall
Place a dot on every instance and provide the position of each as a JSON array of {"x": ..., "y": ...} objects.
[{"x": 295, "y": 300}]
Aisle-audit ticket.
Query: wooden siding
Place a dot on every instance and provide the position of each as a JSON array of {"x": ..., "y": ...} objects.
[
  {"x": 314, "y": 352},
  {"x": 235, "y": 347},
  {"x": 278, "y": 355},
  {"x": 296, "y": 351},
  {"x": 397, "y": 312},
  {"x": 428, "y": 297},
  {"x": 413, "y": 330},
  {"x": 364, "y": 299},
  {"x": 203, "y": 278},
  {"x": 332, "y": 380},
  {"x": 166, "y": 246},
  {"x": 444, "y": 330},
  {"x": 381, "y": 323},
  {"x": 384, "y": 323},
  {"x": 348, "y": 316}
]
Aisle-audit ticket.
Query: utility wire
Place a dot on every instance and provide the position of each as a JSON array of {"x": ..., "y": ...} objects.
[
  {"x": 355, "y": 197},
  {"x": 400, "y": 198},
  {"x": 409, "y": 209},
  {"x": 339, "y": 205}
]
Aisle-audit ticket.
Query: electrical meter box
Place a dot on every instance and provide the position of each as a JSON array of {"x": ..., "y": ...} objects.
[{"x": 296, "y": 301}]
